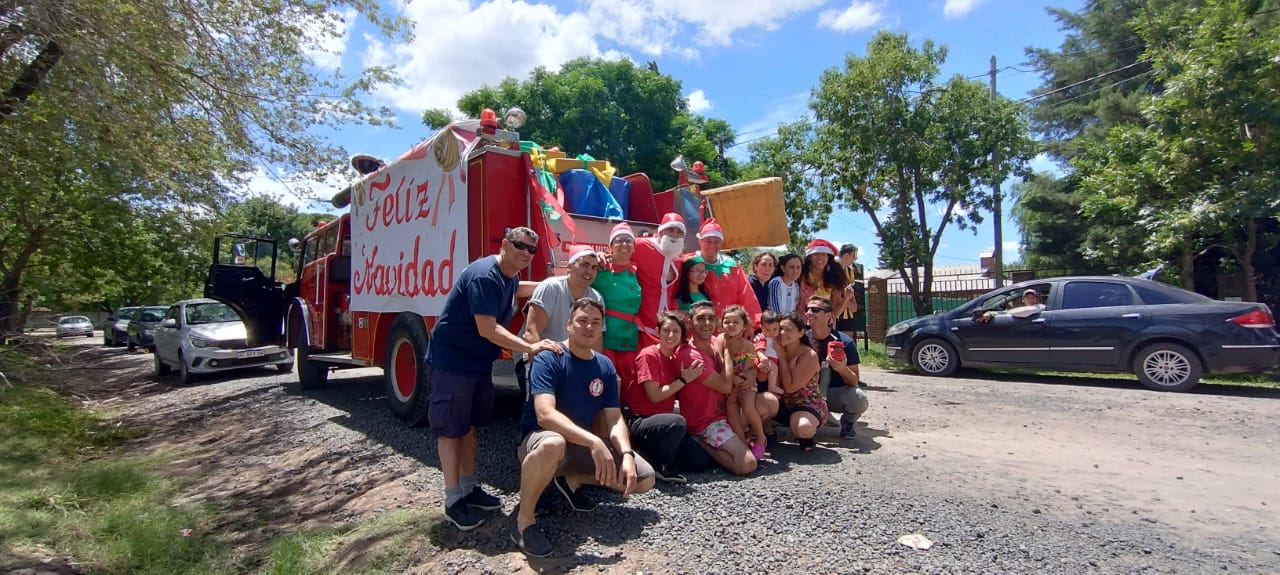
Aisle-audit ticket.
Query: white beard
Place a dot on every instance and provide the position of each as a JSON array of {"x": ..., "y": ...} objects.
[{"x": 670, "y": 247}]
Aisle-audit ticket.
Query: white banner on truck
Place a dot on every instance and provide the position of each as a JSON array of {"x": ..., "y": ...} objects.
[{"x": 409, "y": 227}]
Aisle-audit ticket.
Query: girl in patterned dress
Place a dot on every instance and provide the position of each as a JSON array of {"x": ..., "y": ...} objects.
[
  {"x": 739, "y": 355},
  {"x": 798, "y": 371}
]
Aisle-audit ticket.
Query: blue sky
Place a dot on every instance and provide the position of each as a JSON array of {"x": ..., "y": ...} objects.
[{"x": 751, "y": 62}]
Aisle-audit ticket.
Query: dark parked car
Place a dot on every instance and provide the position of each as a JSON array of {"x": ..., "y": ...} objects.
[
  {"x": 1168, "y": 337},
  {"x": 141, "y": 326},
  {"x": 113, "y": 332}
]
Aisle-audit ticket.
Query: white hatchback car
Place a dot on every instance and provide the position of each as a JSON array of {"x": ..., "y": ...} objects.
[{"x": 199, "y": 336}]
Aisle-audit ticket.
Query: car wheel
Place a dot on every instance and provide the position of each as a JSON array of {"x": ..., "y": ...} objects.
[
  {"x": 405, "y": 374},
  {"x": 185, "y": 377},
  {"x": 1167, "y": 367},
  {"x": 935, "y": 357},
  {"x": 160, "y": 369}
]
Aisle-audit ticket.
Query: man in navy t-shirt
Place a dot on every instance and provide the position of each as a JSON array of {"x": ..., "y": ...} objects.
[
  {"x": 574, "y": 434},
  {"x": 843, "y": 393},
  {"x": 468, "y": 336}
]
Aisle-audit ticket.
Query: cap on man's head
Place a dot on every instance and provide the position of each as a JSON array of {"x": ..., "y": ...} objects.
[
  {"x": 1031, "y": 292},
  {"x": 582, "y": 252}
]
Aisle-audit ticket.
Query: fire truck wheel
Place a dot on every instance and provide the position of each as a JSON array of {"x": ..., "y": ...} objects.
[
  {"x": 407, "y": 382},
  {"x": 311, "y": 374}
]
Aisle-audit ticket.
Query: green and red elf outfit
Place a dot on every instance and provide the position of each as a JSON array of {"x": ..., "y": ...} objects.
[{"x": 620, "y": 288}]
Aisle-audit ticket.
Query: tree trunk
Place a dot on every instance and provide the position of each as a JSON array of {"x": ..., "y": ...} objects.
[
  {"x": 28, "y": 300},
  {"x": 1246, "y": 259},
  {"x": 30, "y": 79},
  {"x": 11, "y": 284},
  {"x": 1188, "y": 271}
]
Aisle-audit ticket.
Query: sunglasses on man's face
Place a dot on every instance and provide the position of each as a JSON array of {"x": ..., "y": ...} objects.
[
  {"x": 531, "y": 248},
  {"x": 816, "y": 309}
]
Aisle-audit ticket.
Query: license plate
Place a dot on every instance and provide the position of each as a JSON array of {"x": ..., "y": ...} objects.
[{"x": 251, "y": 353}]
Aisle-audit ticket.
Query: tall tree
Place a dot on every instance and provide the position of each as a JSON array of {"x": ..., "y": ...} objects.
[
  {"x": 1205, "y": 165},
  {"x": 113, "y": 105},
  {"x": 915, "y": 154}
]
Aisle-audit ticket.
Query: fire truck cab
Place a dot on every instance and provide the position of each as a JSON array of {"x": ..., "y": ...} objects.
[{"x": 371, "y": 283}]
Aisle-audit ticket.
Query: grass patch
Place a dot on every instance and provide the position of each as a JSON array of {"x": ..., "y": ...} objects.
[
  {"x": 64, "y": 491},
  {"x": 872, "y": 353},
  {"x": 383, "y": 544}
]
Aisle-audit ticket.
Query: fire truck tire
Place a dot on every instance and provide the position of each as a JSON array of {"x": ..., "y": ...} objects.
[
  {"x": 311, "y": 374},
  {"x": 408, "y": 383}
]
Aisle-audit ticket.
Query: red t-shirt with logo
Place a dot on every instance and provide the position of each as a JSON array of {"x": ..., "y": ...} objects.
[
  {"x": 650, "y": 366},
  {"x": 700, "y": 405}
]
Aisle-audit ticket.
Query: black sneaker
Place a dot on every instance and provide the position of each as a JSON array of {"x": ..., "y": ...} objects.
[
  {"x": 577, "y": 499},
  {"x": 481, "y": 500},
  {"x": 846, "y": 429},
  {"x": 462, "y": 516},
  {"x": 807, "y": 445},
  {"x": 532, "y": 541},
  {"x": 670, "y": 475}
]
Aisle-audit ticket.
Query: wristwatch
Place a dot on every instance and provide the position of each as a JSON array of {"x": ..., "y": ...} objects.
[
  {"x": 680, "y": 378},
  {"x": 629, "y": 452}
]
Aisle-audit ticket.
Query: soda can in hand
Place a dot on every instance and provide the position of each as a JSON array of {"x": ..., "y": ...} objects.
[{"x": 835, "y": 352}]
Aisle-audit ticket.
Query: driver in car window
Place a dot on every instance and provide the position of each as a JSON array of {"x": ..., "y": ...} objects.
[{"x": 1032, "y": 304}]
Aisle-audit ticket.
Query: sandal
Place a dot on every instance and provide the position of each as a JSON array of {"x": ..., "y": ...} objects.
[
  {"x": 807, "y": 445},
  {"x": 757, "y": 449}
]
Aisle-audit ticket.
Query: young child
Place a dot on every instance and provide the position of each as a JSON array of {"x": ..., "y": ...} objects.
[
  {"x": 766, "y": 355},
  {"x": 738, "y": 355},
  {"x": 693, "y": 274}
]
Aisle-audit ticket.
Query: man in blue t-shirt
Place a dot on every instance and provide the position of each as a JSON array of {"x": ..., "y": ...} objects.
[
  {"x": 574, "y": 434},
  {"x": 468, "y": 336},
  {"x": 844, "y": 396}
]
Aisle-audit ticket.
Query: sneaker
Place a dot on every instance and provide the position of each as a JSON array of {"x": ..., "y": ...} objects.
[
  {"x": 532, "y": 541},
  {"x": 757, "y": 449},
  {"x": 481, "y": 500},
  {"x": 577, "y": 499},
  {"x": 670, "y": 475},
  {"x": 861, "y": 383},
  {"x": 807, "y": 445},
  {"x": 846, "y": 429},
  {"x": 462, "y": 516}
]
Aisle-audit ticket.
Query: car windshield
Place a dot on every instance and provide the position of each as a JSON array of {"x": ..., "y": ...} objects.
[
  {"x": 73, "y": 319},
  {"x": 125, "y": 312},
  {"x": 150, "y": 315},
  {"x": 211, "y": 312}
]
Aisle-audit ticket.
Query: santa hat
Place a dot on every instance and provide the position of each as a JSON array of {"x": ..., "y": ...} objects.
[
  {"x": 820, "y": 247},
  {"x": 710, "y": 229},
  {"x": 582, "y": 252},
  {"x": 671, "y": 221},
  {"x": 622, "y": 229}
]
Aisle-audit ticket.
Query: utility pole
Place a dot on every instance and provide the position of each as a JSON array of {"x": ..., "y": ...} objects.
[{"x": 997, "y": 255}]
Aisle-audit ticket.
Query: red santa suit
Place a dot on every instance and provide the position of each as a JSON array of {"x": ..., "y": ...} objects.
[
  {"x": 657, "y": 273},
  {"x": 726, "y": 283}
]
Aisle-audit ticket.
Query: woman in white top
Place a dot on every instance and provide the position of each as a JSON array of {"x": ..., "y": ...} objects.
[{"x": 784, "y": 288}]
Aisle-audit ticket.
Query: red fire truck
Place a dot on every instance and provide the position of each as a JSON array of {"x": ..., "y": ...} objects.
[{"x": 372, "y": 281}]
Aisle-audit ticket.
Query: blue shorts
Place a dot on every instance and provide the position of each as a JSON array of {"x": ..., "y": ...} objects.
[{"x": 459, "y": 402}]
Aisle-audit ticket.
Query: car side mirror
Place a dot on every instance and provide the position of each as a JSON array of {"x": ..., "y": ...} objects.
[{"x": 169, "y": 323}]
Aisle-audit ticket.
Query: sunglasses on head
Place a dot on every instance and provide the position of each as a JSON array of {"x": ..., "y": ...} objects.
[
  {"x": 817, "y": 309},
  {"x": 517, "y": 244}
]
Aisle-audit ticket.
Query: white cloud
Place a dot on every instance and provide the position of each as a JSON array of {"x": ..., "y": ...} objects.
[
  {"x": 958, "y": 8},
  {"x": 1012, "y": 245},
  {"x": 858, "y": 16},
  {"x": 306, "y": 195},
  {"x": 458, "y": 47},
  {"x": 326, "y": 37},
  {"x": 655, "y": 26},
  {"x": 698, "y": 101}
]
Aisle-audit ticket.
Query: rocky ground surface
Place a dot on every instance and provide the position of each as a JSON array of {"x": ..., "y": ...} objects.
[{"x": 1001, "y": 474}]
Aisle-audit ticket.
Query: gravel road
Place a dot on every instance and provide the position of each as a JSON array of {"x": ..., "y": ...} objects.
[{"x": 1055, "y": 475}]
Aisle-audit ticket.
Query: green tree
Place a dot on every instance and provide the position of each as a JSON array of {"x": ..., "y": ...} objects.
[
  {"x": 1205, "y": 165},
  {"x": 632, "y": 116},
  {"x": 115, "y": 105},
  {"x": 265, "y": 217},
  {"x": 890, "y": 140}
]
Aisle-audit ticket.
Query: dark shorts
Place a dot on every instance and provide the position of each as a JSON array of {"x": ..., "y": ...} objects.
[
  {"x": 459, "y": 402},
  {"x": 848, "y": 325}
]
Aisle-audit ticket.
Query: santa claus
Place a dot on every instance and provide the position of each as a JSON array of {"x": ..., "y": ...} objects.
[
  {"x": 656, "y": 269},
  {"x": 726, "y": 283}
]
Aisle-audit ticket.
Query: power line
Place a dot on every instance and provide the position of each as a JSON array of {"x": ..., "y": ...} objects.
[
  {"x": 1084, "y": 81},
  {"x": 1095, "y": 90}
]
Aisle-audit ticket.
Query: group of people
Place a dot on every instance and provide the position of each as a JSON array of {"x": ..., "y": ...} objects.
[{"x": 621, "y": 340}]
